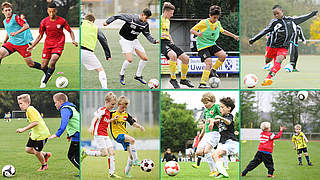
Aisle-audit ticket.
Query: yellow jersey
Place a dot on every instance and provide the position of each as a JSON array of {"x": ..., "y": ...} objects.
[
  {"x": 165, "y": 28},
  {"x": 40, "y": 131},
  {"x": 299, "y": 140},
  {"x": 119, "y": 125},
  {"x": 202, "y": 26}
]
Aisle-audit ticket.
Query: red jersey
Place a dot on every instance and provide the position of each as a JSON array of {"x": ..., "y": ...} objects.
[
  {"x": 266, "y": 141},
  {"x": 101, "y": 125},
  {"x": 196, "y": 141},
  {"x": 54, "y": 31}
]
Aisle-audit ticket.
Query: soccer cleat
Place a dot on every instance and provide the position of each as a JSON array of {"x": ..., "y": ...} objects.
[
  {"x": 295, "y": 70},
  {"x": 266, "y": 82},
  {"x": 174, "y": 83},
  {"x": 122, "y": 80},
  {"x": 213, "y": 174},
  {"x": 127, "y": 174},
  {"x": 195, "y": 166},
  {"x": 136, "y": 163},
  {"x": 203, "y": 86},
  {"x": 42, "y": 85},
  {"x": 221, "y": 176},
  {"x": 115, "y": 176},
  {"x": 270, "y": 176},
  {"x": 140, "y": 79},
  {"x": 309, "y": 163},
  {"x": 300, "y": 164},
  {"x": 213, "y": 73},
  {"x": 47, "y": 156},
  {"x": 186, "y": 82},
  {"x": 83, "y": 154},
  {"x": 43, "y": 167}
]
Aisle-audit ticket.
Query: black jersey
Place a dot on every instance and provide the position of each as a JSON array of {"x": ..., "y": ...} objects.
[
  {"x": 283, "y": 30},
  {"x": 298, "y": 34},
  {"x": 227, "y": 131},
  {"x": 133, "y": 27}
]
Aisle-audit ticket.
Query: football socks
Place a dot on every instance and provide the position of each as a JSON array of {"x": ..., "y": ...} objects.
[
  {"x": 205, "y": 76},
  {"x": 172, "y": 67},
  {"x": 124, "y": 67},
  {"x": 103, "y": 79},
  {"x": 184, "y": 71},
  {"x": 141, "y": 65}
]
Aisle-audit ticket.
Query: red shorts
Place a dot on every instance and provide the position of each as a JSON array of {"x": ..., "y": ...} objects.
[
  {"x": 47, "y": 52},
  {"x": 272, "y": 53},
  {"x": 22, "y": 49}
]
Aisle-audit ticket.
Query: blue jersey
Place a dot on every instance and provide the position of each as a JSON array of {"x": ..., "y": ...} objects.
[{"x": 20, "y": 39}]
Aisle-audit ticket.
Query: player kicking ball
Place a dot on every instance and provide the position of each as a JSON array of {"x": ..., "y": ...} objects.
[
  {"x": 99, "y": 128},
  {"x": 134, "y": 25},
  {"x": 54, "y": 43}
]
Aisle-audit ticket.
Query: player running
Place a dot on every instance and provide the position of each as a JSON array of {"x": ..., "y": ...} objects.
[
  {"x": 54, "y": 43},
  {"x": 171, "y": 51},
  {"x": 300, "y": 141},
  {"x": 283, "y": 28},
  {"x": 134, "y": 25},
  {"x": 208, "y": 31},
  {"x": 89, "y": 36}
]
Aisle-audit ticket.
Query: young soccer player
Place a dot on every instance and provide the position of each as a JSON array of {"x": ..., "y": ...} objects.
[
  {"x": 39, "y": 131},
  {"x": 300, "y": 144},
  {"x": 171, "y": 51},
  {"x": 211, "y": 136},
  {"x": 70, "y": 121},
  {"x": 228, "y": 142},
  {"x": 196, "y": 142},
  {"x": 89, "y": 36},
  {"x": 134, "y": 25},
  {"x": 265, "y": 150},
  {"x": 17, "y": 38},
  {"x": 54, "y": 43},
  {"x": 294, "y": 47},
  {"x": 208, "y": 31},
  {"x": 120, "y": 134},
  {"x": 283, "y": 28},
  {"x": 99, "y": 128}
]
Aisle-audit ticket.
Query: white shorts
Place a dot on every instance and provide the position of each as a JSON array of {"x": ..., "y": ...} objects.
[
  {"x": 90, "y": 60},
  {"x": 103, "y": 142},
  {"x": 231, "y": 147},
  {"x": 130, "y": 46},
  {"x": 211, "y": 138}
]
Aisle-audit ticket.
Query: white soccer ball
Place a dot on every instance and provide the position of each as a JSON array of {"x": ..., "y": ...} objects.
[
  {"x": 288, "y": 68},
  {"x": 250, "y": 80},
  {"x": 302, "y": 95},
  {"x": 147, "y": 165},
  {"x": 214, "y": 82},
  {"x": 8, "y": 171},
  {"x": 153, "y": 84},
  {"x": 61, "y": 82},
  {"x": 171, "y": 168}
]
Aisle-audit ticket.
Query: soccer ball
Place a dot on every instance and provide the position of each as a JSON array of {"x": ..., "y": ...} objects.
[
  {"x": 288, "y": 68},
  {"x": 8, "y": 171},
  {"x": 153, "y": 84},
  {"x": 214, "y": 82},
  {"x": 61, "y": 82},
  {"x": 302, "y": 95},
  {"x": 250, "y": 80},
  {"x": 171, "y": 168},
  {"x": 147, "y": 165}
]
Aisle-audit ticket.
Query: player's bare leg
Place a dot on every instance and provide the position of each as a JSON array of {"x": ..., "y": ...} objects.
[
  {"x": 102, "y": 77},
  {"x": 3, "y": 53},
  {"x": 206, "y": 73},
  {"x": 276, "y": 67},
  {"x": 221, "y": 58},
  {"x": 40, "y": 157},
  {"x": 219, "y": 163},
  {"x": 125, "y": 64},
  {"x": 143, "y": 61},
  {"x": 33, "y": 64},
  {"x": 184, "y": 70},
  {"x": 52, "y": 63},
  {"x": 132, "y": 149},
  {"x": 173, "y": 67},
  {"x": 211, "y": 163}
]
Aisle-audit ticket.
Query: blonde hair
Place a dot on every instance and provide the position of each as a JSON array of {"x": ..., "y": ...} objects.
[
  {"x": 123, "y": 100},
  {"x": 110, "y": 96},
  {"x": 208, "y": 97},
  {"x": 6, "y": 5},
  {"x": 25, "y": 98},
  {"x": 297, "y": 126},
  {"x": 60, "y": 97},
  {"x": 265, "y": 125}
]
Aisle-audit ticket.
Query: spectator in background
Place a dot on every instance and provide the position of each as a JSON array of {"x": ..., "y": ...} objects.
[
  {"x": 193, "y": 42},
  {"x": 169, "y": 156}
]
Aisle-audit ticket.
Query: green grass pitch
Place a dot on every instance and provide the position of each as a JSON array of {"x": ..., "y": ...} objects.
[
  {"x": 285, "y": 161},
  {"x": 12, "y": 152},
  {"x": 307, "y": 78},
  {"x": 89, "y": 79},
  {"x": 15, "y": 74},
  {"x": 190, "y": 173},
  {"x": 97, "y": 167}
]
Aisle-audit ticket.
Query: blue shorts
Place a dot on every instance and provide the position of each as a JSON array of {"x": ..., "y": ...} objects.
[{"x": 120, "y": 139}]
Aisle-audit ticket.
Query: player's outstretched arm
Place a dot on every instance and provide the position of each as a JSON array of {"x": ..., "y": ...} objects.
[
  {"x": 136, "y": 125},
  {"x": 92, "y": 124},
  {"x": 104, "y": 43},
  {"x": 146, "y": 33},
  {"x": 227, "y": 33},
  {"x": 73, "y": 38},
  {"x": 31, "y": 125},
  {"x": 303, "y": 18},
  {"x": 38, "y": 39},
  {"x": 124, "y": 17},
  {"x": 266, "y": 30},
  {"x": 66, "y": 114}
]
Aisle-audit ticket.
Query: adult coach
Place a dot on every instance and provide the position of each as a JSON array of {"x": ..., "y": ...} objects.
[
  {"x": 54, "y": 44},
  {"x": 89, "y": 36},
  {"x": 134, "y": 25}
]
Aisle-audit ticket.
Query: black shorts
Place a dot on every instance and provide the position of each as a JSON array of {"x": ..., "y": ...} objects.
[
  {"x": 208, "y": 52},
  {"x": 299, "y": 151},
  {"x": 37, "y": 145},
  {"x": 167, "y": 46}
]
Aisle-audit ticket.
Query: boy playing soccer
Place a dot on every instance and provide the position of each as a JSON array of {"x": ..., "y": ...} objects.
[
  {"x": 208, "y": 31},
  {"x": 99, "y": 128},
  {"x": 134, "y": 25},
  {"x": 70, "y": 121},
  {"x": 211, "y": 135},
  {"x": 283, "y": 28},
  {"x": 39, "y": 131},
  {"x": 118, "y": 131},
  {"x": 265, "y": 150},
  {"x": 300, "y": 144}
]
